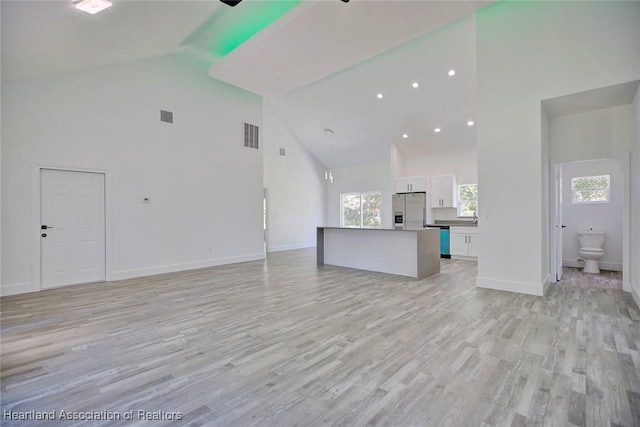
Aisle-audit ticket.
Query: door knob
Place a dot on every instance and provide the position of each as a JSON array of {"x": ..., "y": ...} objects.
[
  {"x": 44, "y": 234},
  {"x": 44, "y": 227}
]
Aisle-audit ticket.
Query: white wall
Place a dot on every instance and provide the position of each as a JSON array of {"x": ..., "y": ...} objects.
[
  {"x": 545, "y": 196},
  {"x": 634, "y": 249},
  {"x": 605, "y": 217},
  {"x": 295, "y": 186},
  {"x": 1, "y": 185},
  {"x": 591, "y": 135},
  {"x": 519, "y": 66},
  {"x": 360, "y": 178},
  {"x": 462, "y": 164},
  {"x": 205, "y": 188},
  {"x": 397, "y": 162}
]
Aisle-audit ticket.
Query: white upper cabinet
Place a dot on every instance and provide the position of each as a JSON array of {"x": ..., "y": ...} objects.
[
  {"x": 418, "y": 184},
  {"x": 443, "y": 191},
  {"x": 411, "y": 184},
  {"x": 402, "y": 185}
]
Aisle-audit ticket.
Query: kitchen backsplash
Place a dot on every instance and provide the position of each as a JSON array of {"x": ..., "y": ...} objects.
[{"x": 444, "y": 214}]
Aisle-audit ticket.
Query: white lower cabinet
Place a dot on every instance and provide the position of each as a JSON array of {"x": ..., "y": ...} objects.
[
  {"x": 463, "y": 241},
  {"x": 458, "y": 244}
]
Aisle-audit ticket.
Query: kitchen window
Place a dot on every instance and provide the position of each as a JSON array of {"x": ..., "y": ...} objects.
[
  {"x": 467, "y": 200},
  {"x": 360, "y": 210},
  {"x": 590, "y": 189}
]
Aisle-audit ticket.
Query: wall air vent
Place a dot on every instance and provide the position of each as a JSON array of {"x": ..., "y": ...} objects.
[
  {"x": 166, "y": 116},
  {"x": 283, "y": 152},
  {"x": 251, "y": 136}
]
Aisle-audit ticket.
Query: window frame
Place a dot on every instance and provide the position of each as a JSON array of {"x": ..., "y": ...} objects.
[
  {"x": 360, "y": 194},
  {"x": 607, "y": 190},
  {"x": 461, "y": 201}
]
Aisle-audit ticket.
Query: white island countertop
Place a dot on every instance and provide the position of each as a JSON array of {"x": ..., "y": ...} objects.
[{"x": 412, "y": 253}]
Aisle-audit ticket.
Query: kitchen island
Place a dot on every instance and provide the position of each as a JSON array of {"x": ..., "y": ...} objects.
[{"x": 412, "y": 253}]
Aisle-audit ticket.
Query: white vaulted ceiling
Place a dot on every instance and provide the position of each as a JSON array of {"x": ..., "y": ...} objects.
[
  {"x": 318, "y": 66},
  {"x": 365, "y": 126},
  {"x": 51, "y": 36},
  {"x": 319, "y": 38}
]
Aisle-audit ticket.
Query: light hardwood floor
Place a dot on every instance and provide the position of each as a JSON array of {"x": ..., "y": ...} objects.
[{"x": 284, "y": 342}]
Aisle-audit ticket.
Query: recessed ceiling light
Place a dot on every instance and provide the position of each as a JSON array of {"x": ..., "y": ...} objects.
[
  {"x": 470, "y": 123},
  {"x": 415, "y": 84},
  {"x": 452, "y": 73},
  {"x": 380, "y": 96},
  {"x": 405, "y": 136},
  {"x": 437, "y": 130},
  {"x": 92, "y": 6}
]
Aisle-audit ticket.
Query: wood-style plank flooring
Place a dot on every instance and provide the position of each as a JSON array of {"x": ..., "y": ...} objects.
[{"x": 285, "y": 342}]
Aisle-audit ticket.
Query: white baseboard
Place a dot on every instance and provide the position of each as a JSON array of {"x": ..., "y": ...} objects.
[
  {"x": 537, "y": 289},
  {"x": 545, "y": 285},
  {"x": 603, "y": 265},
  {"x": 279, "y": 248},
  {"x": 636, "y": 296},
  {"x": 17, "y": 288},
  {"x": 465, "y": 258},
  {"x": 172, "y": 268}
]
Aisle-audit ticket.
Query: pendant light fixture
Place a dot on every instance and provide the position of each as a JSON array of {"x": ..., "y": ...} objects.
[{"x": 328, "y": 136}]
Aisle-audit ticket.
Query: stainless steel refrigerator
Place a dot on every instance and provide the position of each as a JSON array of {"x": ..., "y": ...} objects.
[{"x": 409, "y": 211}]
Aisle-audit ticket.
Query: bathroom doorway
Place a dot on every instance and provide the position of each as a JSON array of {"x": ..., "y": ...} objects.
[
  {"x": 590, "y": 197},
  {"x": 591, "y": 126}
]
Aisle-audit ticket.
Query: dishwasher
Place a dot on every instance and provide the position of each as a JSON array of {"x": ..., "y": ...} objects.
[{"x": 444, "y": 240}]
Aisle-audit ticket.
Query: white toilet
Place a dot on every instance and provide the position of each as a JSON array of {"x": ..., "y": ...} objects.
[{"x": 591, "y": 244}]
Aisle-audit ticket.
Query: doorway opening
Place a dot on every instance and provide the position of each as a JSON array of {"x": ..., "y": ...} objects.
[
  {"x": 593, "y": 125},
  {"x": 590, "y": 200}
]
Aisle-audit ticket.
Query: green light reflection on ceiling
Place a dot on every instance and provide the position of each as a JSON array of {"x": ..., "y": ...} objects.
[{"x": 251, "y": 18}]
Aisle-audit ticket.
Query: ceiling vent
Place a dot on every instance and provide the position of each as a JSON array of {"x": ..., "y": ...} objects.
[
  {"x": 251, "y": 136},
  {"x": 166, "y": 116}
]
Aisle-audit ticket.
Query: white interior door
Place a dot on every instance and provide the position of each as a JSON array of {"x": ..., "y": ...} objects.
[
  {"x": 72, "y": 235},
  {"x": 265, "y": 218},
  {"x": 558, "y": 221}
]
